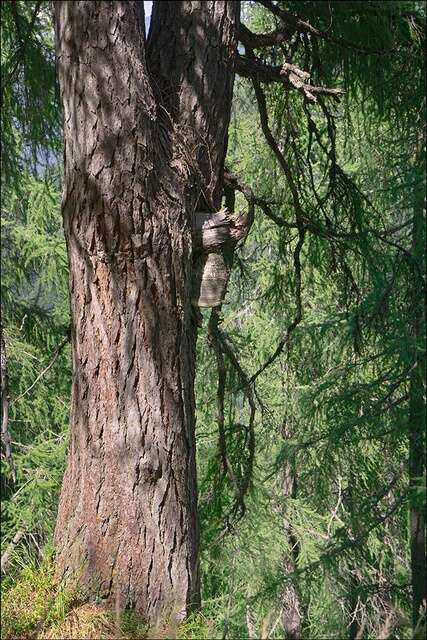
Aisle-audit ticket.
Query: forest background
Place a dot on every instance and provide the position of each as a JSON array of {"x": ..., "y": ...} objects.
[{"x": 310, "y": 420}]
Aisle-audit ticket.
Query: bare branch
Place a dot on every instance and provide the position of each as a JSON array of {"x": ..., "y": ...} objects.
[
  {"x": 6, "y": 557},
  {"x": 288, "y": 74}
]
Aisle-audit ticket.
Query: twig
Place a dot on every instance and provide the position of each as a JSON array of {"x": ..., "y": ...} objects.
[{"x": 45, "y": 370}]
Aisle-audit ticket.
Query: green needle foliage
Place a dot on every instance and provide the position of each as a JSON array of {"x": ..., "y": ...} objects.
[
  {"x": 34, "y": 283},
  {"x": 309, "y": 469}
]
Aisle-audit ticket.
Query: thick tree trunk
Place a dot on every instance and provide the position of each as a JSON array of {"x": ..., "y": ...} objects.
[{"x": 127, "y": 521}]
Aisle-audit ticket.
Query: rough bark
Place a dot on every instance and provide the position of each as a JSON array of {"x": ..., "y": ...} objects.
[
  {"x": 127, "y": 520},
  {"x": 191, "y": 51}
]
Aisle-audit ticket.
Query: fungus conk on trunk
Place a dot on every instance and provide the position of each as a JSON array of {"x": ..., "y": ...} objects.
[{"x": 215, "y": 236}]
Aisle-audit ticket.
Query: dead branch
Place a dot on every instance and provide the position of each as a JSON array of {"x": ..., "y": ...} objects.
[
  {"x": 6, "y": 557},
  {"x": 289, "y": 74}
]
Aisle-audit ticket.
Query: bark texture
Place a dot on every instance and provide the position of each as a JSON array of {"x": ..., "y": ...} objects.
[
  {"x": 191, "y": 50},
  {"x": 127, "y": 521}
]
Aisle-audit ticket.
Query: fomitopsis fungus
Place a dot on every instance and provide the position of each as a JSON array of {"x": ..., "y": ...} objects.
[{"x": 215, "y": 236}]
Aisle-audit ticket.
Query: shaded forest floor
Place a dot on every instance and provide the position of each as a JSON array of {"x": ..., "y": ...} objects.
[{"x": 35, "y": 607}]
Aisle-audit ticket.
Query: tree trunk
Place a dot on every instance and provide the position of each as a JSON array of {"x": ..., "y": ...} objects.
[
  {"x": 417, "y": 413},
  {"x": 292, "y": 614},
  {"x": 127, "y": 522}
]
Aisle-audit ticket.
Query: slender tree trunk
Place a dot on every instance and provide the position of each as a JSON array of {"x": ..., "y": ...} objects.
[
  {"x": 417, "y": 415},
  {"x": 127, "y": 521},
  {"x": 292, "y": 606},
  {"x": 354, "y": 580},
  {"x": 5, "y": 398}
]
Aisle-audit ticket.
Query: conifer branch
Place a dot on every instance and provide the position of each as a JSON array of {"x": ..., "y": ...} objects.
[
  {"x": 299, "y": 215},
  {"x": 222, "y": 348},
  {"x": 292, "y": 23},
  {"x": 23, "y": 40}
]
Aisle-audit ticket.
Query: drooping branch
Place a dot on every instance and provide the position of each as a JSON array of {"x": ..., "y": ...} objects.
[
  {"x": 222, "y": 347},
  {"x": 292, "y": 23},
  {"x": 271, "y": 141},
  {"x": 284, "y": 340},
  {"x": 299, "y": 216},
  {"x": 19, "y": 53},
  {"x": 222, "y": 375}
]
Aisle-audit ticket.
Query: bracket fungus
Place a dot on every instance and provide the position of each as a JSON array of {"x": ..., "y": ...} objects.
[{"x": 215, "y": 236}]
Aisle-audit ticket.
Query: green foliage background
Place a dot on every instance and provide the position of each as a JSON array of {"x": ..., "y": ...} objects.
[{"x": 334, "y": 408}]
